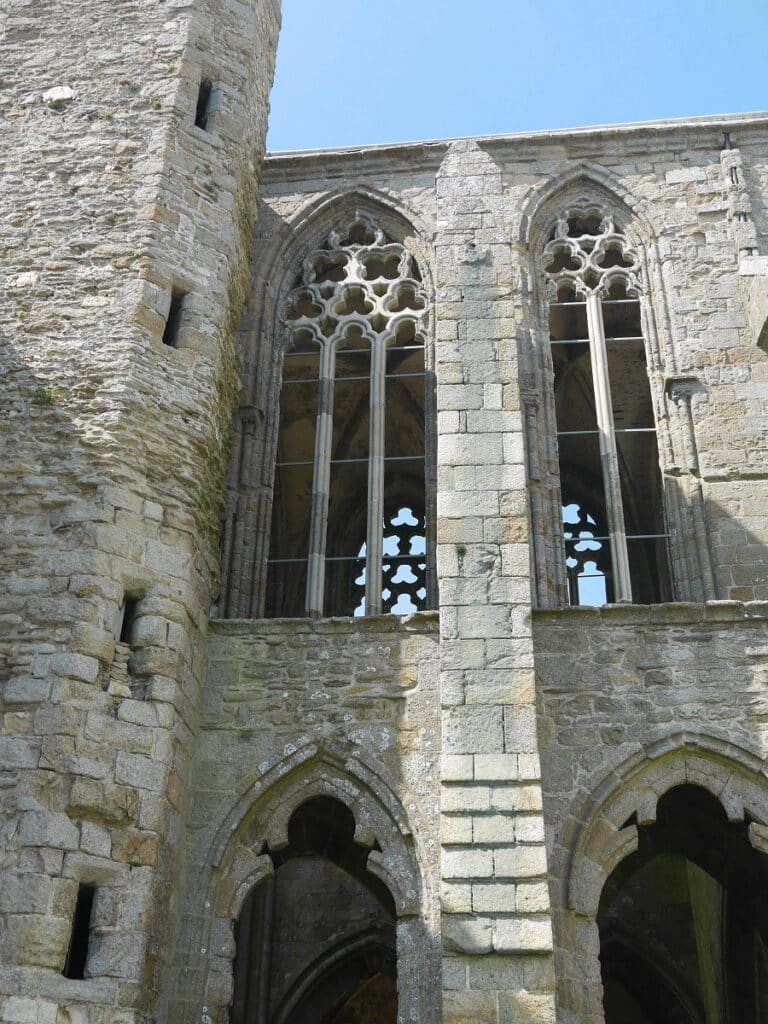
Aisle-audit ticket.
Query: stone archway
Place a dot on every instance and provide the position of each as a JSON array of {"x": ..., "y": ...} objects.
[
  {"x": 315, "y": 941},
  {"x": 604, "y": 833},
  {"x": 257, "y": 841}
]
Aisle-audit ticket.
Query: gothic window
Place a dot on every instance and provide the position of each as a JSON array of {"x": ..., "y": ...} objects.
[
  {"x": 613, "y": 528},
  {"x": 349, "y": 531}
]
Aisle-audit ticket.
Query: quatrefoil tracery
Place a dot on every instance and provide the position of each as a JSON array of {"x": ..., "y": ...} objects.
[
  {"x": 587, "y": 254},
  {"x": 359, "y": 280}
]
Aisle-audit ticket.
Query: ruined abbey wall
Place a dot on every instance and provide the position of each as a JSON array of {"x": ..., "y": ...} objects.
[{"x": 498, "y": 754}]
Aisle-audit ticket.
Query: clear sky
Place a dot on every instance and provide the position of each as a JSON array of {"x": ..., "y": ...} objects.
[{"x": 355, "y": 72}]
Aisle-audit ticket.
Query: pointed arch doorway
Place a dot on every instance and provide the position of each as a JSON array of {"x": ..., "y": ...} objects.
[{"x": 315, "y": 941}]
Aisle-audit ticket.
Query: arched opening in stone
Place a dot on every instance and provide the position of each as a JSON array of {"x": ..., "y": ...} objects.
[
  {"x": 355, "y": 426},
  {"x": 315, "y": 941},
  {"x": 610, "y": 478},
  {"x": 684, "y": 921},
  {"x": 762, "y": 340}
]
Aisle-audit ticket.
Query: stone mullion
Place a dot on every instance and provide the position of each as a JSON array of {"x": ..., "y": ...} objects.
[
  {"x": 321, "y": 481},
  {"x": 430, "y": 470},
  {"x": 622, "y": 583},
  {"x": 375, "y": 525}
]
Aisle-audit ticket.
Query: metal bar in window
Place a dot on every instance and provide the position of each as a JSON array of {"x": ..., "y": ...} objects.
[
  {"x": 576, "y": 433},
  {"x": 576, "y": 538},
  {"x": 340, "y": 462}
]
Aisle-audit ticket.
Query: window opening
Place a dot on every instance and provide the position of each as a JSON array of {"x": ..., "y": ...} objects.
[
  {"x": 130, "y": 608},
  {"x": 173, "y": 320},
  {"x": 613, "y": 526},
  {"x": 77, "y": 954},
  {"x": 683, "y": 920},
  {"x": 203, "y": 108},
  {"x": 350, "y": 470},
  {"x": 315, "y": 941}
]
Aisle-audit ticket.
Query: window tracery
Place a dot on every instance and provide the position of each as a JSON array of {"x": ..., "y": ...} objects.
[
  {"x": 351, "y": 442},
  {"x": 613, "y": 526}
]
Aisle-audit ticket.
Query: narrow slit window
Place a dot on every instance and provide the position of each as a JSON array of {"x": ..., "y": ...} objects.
[
  {"x": 128, "y": 618},
  {"x": 172, "y": 328},
  {"x": 77, "y": 954},
  {"x": 203, "y": 107},
  {"x": 613, "y": 527},
  {"x": 349, "y": 508}
]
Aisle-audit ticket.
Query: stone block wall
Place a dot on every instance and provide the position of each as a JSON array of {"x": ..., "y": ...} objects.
[
  {"x": 114, "y": 448},
  {"x": 156, "y": 765},
  {"x": 294, "y": 708},
  {"x": 695, "y": 198},
  {"x": 635, "y": 700}
]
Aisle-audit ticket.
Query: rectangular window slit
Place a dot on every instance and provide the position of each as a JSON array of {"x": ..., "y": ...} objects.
[
  {"x": 77, "y": 954},
  {"x": 130, "y": 607},
  {"x": 173, "y": 322},
  {"x": 203, "y": 109}
]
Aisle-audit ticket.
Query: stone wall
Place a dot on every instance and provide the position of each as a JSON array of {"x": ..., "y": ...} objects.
[
  {"x": 114, "y": 448},
  {"x": 635, "y": 700},
  {"x": 296, "y": 708},
  {"x": 692, "y": 197},
  {"x": 157, "y": 769}
]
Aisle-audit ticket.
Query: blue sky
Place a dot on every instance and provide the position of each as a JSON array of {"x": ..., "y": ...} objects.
[{"x": 356, "y": 72}]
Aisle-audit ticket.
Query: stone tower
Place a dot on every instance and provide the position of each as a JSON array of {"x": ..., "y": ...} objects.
[
  {"x": 435, "y": 689},
  {"x": 132, "y": 140}
]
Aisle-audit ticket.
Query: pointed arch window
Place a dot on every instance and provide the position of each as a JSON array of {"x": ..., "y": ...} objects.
[
  {"x": 349, "y": 523},
  {"x": 613, "y": 527}
]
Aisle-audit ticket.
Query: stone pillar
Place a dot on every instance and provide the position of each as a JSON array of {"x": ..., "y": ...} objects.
[
  {"x": 496, "y": 927},
  {"x": 115, "y": 450}
]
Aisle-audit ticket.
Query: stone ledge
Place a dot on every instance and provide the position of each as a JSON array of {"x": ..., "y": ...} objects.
[
  {"x": 417, "y": 622},
  {"x": 658, "y": 614}
]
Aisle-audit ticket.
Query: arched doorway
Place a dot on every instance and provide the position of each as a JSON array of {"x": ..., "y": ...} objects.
[
  {"x": 684, "y": 920},
  {"x": 315, "y": 941}
]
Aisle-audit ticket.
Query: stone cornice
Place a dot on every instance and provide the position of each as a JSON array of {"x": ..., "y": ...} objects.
[{"x": 426, "y": 156}]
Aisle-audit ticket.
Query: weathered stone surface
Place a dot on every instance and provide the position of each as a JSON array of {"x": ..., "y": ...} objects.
[{"x": 159, "y": 760}]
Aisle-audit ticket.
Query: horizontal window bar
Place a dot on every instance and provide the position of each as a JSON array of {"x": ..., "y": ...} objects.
[
  {"x": 421, "y": 559},
  {"x": 585, "y": 341},
  {"x": 616, "y": 430},
  {"x": 634, "y": 536},
  {"x": 339, "y": 462},
  {"x": 386, "y": 559},
  {"x": 367, "y": 376},
  {"x": 604, "y": 302}
]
